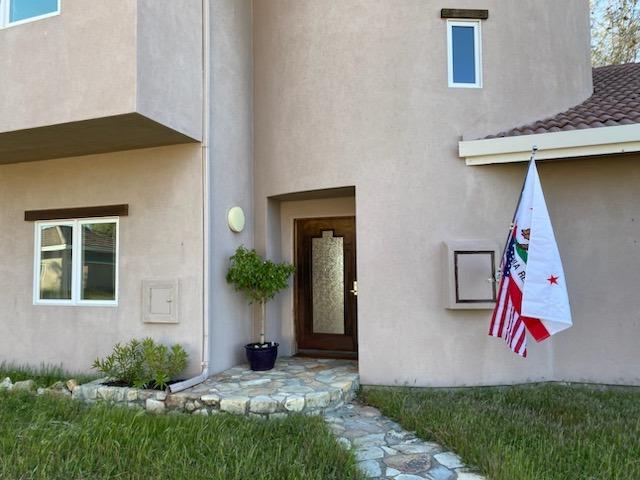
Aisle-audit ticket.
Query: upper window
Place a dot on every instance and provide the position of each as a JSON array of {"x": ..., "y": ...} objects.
[
  {"x": 76, "y": 262},
  {"x": 15, "y": 12},
  {"x": 464, "y": 47}
]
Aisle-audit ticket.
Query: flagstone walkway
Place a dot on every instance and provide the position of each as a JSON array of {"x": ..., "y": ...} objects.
[
  {"x": 294, "y": 385},
  {"x": 385, "y": 450}
]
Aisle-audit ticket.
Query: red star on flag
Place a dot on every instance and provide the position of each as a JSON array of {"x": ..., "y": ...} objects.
[{"x": 552, "y": 280}]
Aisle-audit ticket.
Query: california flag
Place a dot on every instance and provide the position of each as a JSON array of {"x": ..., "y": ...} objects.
[{"x": 532, "y": 294}]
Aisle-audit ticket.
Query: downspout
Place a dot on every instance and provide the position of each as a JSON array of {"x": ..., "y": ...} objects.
[{"x": 206, "y": 194}]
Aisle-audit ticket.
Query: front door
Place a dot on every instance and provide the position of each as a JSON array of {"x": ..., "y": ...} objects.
[{"x": 326, "y": 286}]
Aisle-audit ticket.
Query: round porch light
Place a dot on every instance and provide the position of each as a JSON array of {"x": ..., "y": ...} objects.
[{"x": 236, "y": 219}]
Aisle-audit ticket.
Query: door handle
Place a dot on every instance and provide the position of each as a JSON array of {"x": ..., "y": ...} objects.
[{"x": 354, "y": 290}]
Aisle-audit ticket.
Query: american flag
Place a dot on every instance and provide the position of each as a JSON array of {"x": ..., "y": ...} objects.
[
  {"x": 506, "y": 321},
  {"x": 537, "y": 304}
]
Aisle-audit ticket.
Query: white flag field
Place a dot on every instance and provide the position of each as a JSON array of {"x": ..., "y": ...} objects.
[{"x": 532, "y": 293}]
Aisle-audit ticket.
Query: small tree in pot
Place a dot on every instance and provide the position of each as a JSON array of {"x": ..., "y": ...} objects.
[{"x": 259, "y": 280}]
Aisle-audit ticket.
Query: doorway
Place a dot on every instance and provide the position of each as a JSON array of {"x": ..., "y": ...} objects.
[{"x": 326, "y": 288}]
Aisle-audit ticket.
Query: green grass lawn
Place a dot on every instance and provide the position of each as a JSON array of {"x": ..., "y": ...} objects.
[
  {"x": 532, "y": 432},
  {"x": 43, "y": 437},
  {"x": 44, "y": 376}
]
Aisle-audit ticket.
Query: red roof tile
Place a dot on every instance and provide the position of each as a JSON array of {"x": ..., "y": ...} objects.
[{"x": 615, "y": 101}]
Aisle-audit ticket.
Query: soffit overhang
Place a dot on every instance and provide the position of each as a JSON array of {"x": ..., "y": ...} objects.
[
  {"x": 100, "y": 135},
  {"x": 555, "y": 145}
]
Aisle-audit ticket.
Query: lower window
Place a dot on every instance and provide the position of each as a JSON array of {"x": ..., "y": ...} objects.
[{"x": 76, "y": 262}]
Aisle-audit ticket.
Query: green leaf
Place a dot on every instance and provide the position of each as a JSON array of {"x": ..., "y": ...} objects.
[
  {"x": 142, "y": 363},
  {"x": 257, "y": 278}
]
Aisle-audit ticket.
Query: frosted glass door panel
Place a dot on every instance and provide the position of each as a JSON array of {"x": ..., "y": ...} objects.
[{"x": 327, "y": 267}]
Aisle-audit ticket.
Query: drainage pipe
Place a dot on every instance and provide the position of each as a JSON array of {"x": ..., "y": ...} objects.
[{"x": 206, "y": 198}]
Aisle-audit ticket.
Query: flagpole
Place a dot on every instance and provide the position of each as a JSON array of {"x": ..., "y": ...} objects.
[{"x": 532, "y": 158}]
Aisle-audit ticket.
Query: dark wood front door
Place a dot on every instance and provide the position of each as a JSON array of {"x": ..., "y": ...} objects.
[{"x": 326, "y": 286}]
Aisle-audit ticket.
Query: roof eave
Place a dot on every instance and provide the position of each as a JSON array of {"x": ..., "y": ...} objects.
[{"x": 555, "y": 145}]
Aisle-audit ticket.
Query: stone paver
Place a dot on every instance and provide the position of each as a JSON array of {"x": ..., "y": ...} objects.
[
  {"x": 385, "y": 450},
  {"x": 448, "y": 459}
]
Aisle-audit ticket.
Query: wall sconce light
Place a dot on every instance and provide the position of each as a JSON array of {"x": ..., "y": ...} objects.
[{"x": 236, "y": 219}]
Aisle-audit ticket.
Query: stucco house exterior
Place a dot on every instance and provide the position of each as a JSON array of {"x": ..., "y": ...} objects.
[{"x": 378, "y": 146}]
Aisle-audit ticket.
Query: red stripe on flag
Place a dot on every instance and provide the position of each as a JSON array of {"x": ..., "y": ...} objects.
[
  {"x": 522, "y": 335},
  {"x": 505, "y": 308},
  {"x": 520, "y": 346},
  {"x": 509, "y": 314},
  {"x": 516, "y": 333},
  {"x": 536, "y": 328},
  {"x": 492, "y": 326},
  {"x": 497, "y": 318},
  {"x": 516, "y": 295},
  {"x": 501, "y": 308},
  {"x": 504, "y": 301}
]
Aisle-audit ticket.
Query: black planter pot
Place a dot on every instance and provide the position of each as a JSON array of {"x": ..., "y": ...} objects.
[{"x": 261, "y": 359}]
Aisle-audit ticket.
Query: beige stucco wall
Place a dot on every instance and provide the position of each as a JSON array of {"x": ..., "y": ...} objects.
[
  {"x": 101, "y": 59},
  {"x": 594, "y": 206},
  {"x": 73, "y": 66},
  {"x": 355, "y": 93},
  {"x": 161, "y": 239},
  {"x": 169, "y": 63}
]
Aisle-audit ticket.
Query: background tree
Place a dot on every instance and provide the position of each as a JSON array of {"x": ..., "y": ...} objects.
[{"x": 615, "y": 31}]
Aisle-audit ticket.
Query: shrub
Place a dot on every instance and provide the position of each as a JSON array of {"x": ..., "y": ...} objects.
[
  {"x": 143, "y": 364},
  {"x": 163, "y": 364},
  {"x": 258, "y": 279}
]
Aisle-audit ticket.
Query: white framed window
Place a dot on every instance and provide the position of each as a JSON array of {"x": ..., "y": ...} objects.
[
  {"x": 464, "y": 52},
  {"x": 76, "y": 262},
  {"x": 17, "y": 12}
]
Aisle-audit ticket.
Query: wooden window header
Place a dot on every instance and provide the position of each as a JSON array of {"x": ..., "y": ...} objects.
[
  {"x": 464, "y": 13},
  {"x": 81, "y": 212}
]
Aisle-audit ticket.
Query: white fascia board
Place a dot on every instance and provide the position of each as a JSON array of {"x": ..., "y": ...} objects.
[{"x": 570, "y": 144}]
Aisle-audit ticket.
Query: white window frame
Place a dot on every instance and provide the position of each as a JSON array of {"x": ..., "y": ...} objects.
[
  {"x": 5, "y": 10},
  {"x": 477, "y": 41},
  {"x": 76, "y": 262}
]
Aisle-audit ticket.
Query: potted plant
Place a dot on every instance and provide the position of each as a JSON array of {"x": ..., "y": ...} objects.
[{"x": 259, "y": 280}]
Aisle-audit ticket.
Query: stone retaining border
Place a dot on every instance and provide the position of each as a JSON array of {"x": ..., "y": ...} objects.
[
  {"x": 276, "y": 406},
  {"x": 306, "y": 386}
]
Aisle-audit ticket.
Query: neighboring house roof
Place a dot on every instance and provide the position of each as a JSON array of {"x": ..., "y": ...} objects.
[
  {"x": 97, "y": 241},
  {"x": 615, "y": 101},
  {"x": 607, "y": 123},
  {"x": 62, "y": 237},
  {"x": 56, "y": 237}
]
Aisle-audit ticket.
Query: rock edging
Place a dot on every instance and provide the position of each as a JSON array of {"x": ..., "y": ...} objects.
[
  {"x": 211, "y": 403},
  {"x": 295, "y": 386},
  {"x": 58, "y": 388}
]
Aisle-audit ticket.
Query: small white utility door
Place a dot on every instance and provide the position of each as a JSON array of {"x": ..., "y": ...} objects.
[{"x": 160, "y": 302}]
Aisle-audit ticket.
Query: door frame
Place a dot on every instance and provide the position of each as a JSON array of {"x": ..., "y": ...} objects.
[{"x": 298, "y": 309}]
